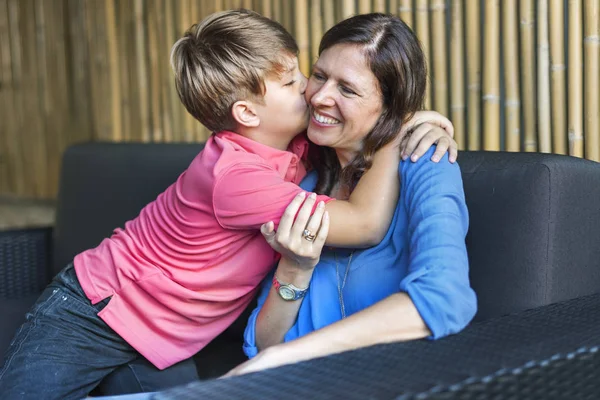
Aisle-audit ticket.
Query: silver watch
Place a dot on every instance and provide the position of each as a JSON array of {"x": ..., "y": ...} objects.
[{"x": 288, "y": 292}]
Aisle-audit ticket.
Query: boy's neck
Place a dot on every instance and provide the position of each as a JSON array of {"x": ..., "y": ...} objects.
[{"x": 277, "y": 142}]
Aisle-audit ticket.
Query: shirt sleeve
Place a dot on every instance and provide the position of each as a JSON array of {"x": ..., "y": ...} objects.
[
  {"x": 438, "y": 271},
  {"x": 250, "y": 333},
  {"x": 248, "y": 195}
]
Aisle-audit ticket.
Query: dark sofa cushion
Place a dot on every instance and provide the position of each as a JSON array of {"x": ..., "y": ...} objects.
[
  {"x": 534, "y": 228},
  {"x": 103, "y": 185}
]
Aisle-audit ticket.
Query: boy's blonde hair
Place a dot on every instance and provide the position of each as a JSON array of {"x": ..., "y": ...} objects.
[{"x": 226, "y": 58}]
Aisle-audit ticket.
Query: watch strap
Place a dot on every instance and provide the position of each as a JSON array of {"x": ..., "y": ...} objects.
[{"x": 281, "y": 288}]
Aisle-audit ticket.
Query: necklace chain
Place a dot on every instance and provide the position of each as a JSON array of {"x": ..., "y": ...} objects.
[{"x": 341, "y": 286}]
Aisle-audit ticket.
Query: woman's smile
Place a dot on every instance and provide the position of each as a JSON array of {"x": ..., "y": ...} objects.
[{"x": 323, "y": 119}]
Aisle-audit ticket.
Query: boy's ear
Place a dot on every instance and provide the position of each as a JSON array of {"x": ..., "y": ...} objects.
[{"x": 244, "y": 113}]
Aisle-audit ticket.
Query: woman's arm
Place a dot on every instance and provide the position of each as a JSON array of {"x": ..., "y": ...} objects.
[
  {"x": 298, "y": 259},
  {"x": 277, "y": 316},
  {"x": 393, "y": 319},
  {"x": 435, "y": 298}
]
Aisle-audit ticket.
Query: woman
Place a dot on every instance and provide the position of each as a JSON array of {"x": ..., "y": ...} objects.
[
  {"x": 140, "y": 372},
  {"x": 369, "y": 78}
]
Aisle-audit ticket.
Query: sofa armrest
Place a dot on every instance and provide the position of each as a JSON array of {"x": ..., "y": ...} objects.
[
  {"x": 25, "y": 256},
  {"x": 546, "y": 352},
  {"x": 534, "y": 227}
]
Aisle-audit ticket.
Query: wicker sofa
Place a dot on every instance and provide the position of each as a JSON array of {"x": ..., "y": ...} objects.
[{"x": 532, "y": 242}]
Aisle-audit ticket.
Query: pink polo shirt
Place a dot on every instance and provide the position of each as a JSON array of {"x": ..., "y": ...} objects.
[{"x": 183, "y": 270}]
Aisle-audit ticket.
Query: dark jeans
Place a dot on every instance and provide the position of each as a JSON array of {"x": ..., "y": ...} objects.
[{"x": 64, "y": 350}]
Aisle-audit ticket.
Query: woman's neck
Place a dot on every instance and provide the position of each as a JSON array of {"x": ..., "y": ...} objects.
[
  {"x": 345, "y": 156},
  {"x": 340, "y": 192}
]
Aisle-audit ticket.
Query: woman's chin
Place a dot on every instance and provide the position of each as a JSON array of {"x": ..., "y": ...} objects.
[
  {"x": 316, "y": 137},
  {"x": 321, "y": 136}
]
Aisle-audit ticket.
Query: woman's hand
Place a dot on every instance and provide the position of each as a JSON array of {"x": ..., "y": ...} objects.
[
  {"x": 428, "y": 128},
  {"x": 300, "y": 240},
  {"x": 269, "y": 358}
]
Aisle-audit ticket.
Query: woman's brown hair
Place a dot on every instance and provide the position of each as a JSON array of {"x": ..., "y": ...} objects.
[{"x": 395, "y": 57}]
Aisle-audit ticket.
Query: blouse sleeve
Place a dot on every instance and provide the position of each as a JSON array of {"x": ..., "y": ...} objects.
[
  {"x": 250, "y": 333},
  {"x": 438, "y": 272}
]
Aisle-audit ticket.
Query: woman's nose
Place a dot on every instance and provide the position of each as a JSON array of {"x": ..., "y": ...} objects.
[{"x": 323, "y": 96}]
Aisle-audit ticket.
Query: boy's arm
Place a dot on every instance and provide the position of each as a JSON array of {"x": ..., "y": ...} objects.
[
  {"x": 249, "y": 195},
  {"x": 364, "y": 219},
  {"x": 367, "y": 214}
]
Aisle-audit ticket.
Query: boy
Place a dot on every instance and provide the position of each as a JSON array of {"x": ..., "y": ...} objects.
[{"x": 182, "y": 271}]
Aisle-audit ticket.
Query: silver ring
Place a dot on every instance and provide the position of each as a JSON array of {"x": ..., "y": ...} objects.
[{"x": 308, "y": 235}]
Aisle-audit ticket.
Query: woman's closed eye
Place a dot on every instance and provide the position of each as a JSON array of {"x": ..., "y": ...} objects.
[
  {"x": 347, "y": 91},
  {"x": 318, "y": 76}
]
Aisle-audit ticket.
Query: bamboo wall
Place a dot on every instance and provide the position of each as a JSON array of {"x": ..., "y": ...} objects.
[{"x": 512, "y": 75}]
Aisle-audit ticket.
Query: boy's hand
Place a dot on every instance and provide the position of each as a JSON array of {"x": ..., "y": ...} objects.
[{"x": 429, "y": 128}]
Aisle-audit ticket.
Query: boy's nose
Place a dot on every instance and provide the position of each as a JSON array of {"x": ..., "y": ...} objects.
[{"x": 303, "y": 84}]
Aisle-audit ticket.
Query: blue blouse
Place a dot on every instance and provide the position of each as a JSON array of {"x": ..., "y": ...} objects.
[{"x": 423, "y": 254}]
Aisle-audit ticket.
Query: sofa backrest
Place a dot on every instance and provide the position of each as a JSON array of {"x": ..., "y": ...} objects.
[
  {"x": 103, "y": 185},
  {"x": 534, "y": 218}
]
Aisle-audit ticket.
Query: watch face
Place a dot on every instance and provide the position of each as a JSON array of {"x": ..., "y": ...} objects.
[{"x": 286, "y": 293}]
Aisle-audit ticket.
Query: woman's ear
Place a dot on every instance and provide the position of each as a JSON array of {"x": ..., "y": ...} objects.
[{"x": 244, "y": 113}]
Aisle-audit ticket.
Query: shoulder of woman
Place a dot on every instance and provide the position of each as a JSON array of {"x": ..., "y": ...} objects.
[
  {"x": 310, "y": 181},
  {"x": 424, "y": 165},
  {"x": 442, "y": 177}
]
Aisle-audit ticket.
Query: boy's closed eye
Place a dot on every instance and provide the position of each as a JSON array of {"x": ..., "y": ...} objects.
[{"x": 290, "y": 83}]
